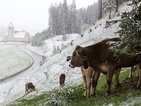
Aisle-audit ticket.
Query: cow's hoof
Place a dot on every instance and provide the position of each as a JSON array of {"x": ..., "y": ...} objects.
[
  {"x": 138, "y": 86},
  {"x": 88, "y": 96},
  {"x": 93, "y": 95},
  {"x": 118, "y": 85},
  {"x": 106, "y": 95}
]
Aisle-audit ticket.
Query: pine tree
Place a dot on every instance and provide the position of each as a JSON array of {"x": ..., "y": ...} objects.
[
  {"x": 117, "y": 5},
  {"x": 130, "y": 31},
  {"x": 73, "y": 17},
  {"x": 100, "y": 9},
  {"x": 65, "y": 19}
]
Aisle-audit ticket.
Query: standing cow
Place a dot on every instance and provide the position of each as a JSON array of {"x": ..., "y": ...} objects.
[
  {"x": 29, "y": 86},
  {"x": 101, "y": 58},
  {"x": 90, "y": 78},
  {"x": 62, "y": 79},
  {"x": 87, "y": 76}
]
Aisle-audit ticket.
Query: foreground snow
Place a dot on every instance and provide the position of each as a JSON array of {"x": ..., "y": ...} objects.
[{"x": 46, "y": 77}]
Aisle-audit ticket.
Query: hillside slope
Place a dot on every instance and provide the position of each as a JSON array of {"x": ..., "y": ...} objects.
[{"x": 46, "y": 77}]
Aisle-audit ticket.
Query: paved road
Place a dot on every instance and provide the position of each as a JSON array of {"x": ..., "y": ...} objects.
[{"x": 36, "y": 62}]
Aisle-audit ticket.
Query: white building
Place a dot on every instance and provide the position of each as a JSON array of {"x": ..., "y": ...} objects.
[{"x": 16, "y": 36}]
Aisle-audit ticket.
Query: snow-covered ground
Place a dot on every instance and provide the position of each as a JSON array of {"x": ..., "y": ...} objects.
[
  {"x": 46, "y": 77},
  {"x": 12, "y": 60}
]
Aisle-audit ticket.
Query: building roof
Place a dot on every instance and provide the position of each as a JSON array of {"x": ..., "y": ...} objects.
[
  {"x": 20, "y": 34},
  {"x": 10, "y": 25}
]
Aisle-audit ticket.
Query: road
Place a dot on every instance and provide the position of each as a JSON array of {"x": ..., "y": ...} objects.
[{"x": 36, "y": 62}]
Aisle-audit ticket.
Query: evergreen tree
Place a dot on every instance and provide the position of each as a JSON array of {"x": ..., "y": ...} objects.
[
  {"x": 117, "y": 5},
  {"x": 111, "y": 5},
  {"x": 53, "y": 19},
  {"x": 100, "y": 9},
  {"x": 65, "y": 19},
  {"x": 130, "y": 31},
  {"x": 73, "y": 17},
  {"x": 60, "y": 19}
]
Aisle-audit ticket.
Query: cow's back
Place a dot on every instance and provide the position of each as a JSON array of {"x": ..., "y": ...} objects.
[
  {"x": 62, "y": 79},
  {"x": 102, "y": 53},
  {"x": 29, "y": 86}
]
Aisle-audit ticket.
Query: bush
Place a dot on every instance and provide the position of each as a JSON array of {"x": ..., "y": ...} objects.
[{"x": 61, "y": 97}]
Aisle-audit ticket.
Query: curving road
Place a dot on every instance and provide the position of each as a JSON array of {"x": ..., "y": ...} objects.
[{"x": 36, "y": 62}]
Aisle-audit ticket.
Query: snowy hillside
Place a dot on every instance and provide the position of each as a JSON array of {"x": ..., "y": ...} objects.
[{"x": 46, "y": 77}]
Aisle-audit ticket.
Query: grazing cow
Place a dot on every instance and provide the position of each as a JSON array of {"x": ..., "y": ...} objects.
[
  {"x": 134, "y": 69},
  {"x": 62, "y": 79},
  {"x": 101, "y": 58},
  {"x": 29, "y": 86},
  {"x": 90, "y": 78}
]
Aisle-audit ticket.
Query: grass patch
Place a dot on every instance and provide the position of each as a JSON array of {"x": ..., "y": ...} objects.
[{"x": 73, "y": 96}]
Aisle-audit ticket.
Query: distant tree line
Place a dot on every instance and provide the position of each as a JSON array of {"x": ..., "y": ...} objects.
[{"x": 66, "y": 19}]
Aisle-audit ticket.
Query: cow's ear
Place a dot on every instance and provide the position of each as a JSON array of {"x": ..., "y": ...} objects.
[
  {"x": 79, "y": 52},
  {"x": 78, "y": 47}
]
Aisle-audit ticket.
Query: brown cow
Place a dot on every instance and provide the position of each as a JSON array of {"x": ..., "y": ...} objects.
[
  {"x": 29, "y": 85},
  {"x": 87, "y": 76},
  {"x": 90, "y": 78},
  {"x": 100, "y": 57},
  {"x": 62, "y": 79}
]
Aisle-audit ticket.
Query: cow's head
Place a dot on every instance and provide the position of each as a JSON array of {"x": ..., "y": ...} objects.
[{"x": 79, "y": 58}]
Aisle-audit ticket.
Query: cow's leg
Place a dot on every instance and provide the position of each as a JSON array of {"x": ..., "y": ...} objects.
[
  {"x": 88, "y": 85},
  {"x": 26, "y": 88},
  {"x": 117, "y": 84},
  {"x": 84, "y": 82},
  {"x": 130, "y": 74},
  {"x": 94, "y": 82},
  {"x": 109, "y": 77},
  {"x": 139, "y": 73}
]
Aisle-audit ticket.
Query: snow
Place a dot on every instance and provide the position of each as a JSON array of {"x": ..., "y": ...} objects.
[
  {"x": 46, "y": 77},
  {"x": 12, "y": 60},
  {"x": 19, "y": 34}
]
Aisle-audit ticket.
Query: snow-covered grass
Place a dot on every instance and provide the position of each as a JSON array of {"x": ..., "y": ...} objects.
[
  {"x": 46, "y": 77},
  {"x": 12, "y": 60}
]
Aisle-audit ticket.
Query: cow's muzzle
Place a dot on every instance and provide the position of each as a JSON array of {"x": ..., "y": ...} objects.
[{"x": 71, "y": 66}]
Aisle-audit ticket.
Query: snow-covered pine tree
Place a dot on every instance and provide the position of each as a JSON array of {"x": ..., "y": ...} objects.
[
  {"x": 73, "y": 17},
  {"x": 60, "y": 20},
  {"x": 130, "y": 31},
  {"x": 53, "y": 19},
  {"x": 65, "y": 18},
  {"x": 99, "y": 9},
  {"x": 110, "y": 6}
]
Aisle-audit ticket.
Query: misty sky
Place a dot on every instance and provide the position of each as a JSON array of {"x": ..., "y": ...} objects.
[{"x": 30, "y": 15}]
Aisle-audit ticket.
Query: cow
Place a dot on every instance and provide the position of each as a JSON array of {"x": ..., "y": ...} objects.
[
  {"x": 29, "y": 86},
  {"x": 62, "y": 79},
  {"x": 87, "y": 76},
  {"x": 134, "y": 69},
  {"x": 90, "y": 78},
  {"x": 101, "y": 58}
]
